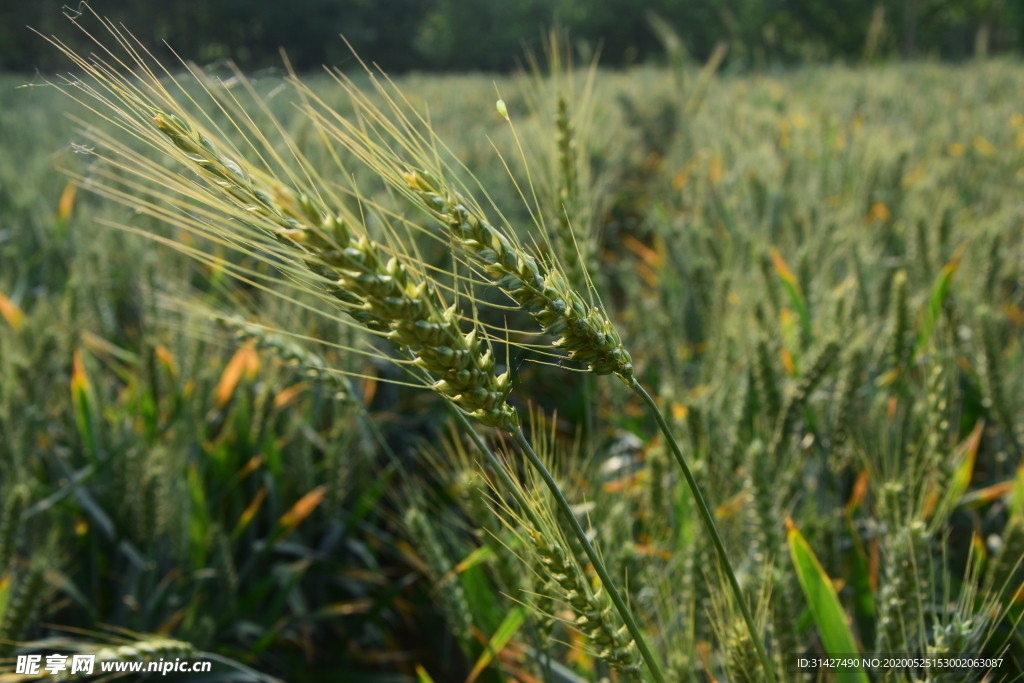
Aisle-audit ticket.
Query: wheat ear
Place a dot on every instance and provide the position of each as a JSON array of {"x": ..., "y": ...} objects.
[
  {"x": 377, "y": 291},
  {"x": 385, "y": 298},
  {"x": 584, "y": 331},
  {"x": 19, "y": 611}
]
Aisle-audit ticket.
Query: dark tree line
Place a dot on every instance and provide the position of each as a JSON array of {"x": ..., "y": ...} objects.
[{"x": 403, "y": 35}]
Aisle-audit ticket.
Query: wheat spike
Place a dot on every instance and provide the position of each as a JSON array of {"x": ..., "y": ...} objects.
[
  {"x": 376, "y": 291},
  {"x": 571, "y": 250},
  {"x": 10, "y": 524},
  {"x": 453, "y": 598},
  {"x": 584, "y": 332},
  {"x": 19, "y": 610},
  {"x": 595, "y": 616}
]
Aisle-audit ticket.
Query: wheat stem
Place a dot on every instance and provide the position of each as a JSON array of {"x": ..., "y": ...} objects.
[{"x": 709, "y": 524}]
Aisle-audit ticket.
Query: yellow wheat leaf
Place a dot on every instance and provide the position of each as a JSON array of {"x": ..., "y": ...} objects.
[
  {"x": 649, "y": 256},
  {"x": 782, "y": 268},
  {"x": 246, "y": 361},
  {"x": 957, "y": 150},
  {"x": 166, "y": 358},
  {"x": 250, "y": 511},
  {"x": 860, "y": 490},
  {"x": 66, "y": 203},
  {"x": 79, "y": 380},
  {"x": 733, "y": 505},
  {"x": 11, "y": 313},
  {"x": 289, "y": 394},
  {"x": 250, "y": 466},
  {"x": 303, "y": 508},
  {"x": 879, "y": 212}
]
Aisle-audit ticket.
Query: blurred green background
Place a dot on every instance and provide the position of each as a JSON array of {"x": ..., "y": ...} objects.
[{"x": 403, "y": 35}]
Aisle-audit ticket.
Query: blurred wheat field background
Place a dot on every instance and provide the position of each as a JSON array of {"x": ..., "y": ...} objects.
[{"x": 817, "y": 273}]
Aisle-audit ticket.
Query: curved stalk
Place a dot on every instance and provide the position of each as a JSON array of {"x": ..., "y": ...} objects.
[
  {"x": 581, "y": 535},
  {"x": 712, "y": 529}
]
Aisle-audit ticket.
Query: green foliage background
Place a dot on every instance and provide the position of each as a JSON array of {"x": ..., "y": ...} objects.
[{"x": 483, "y": 35}]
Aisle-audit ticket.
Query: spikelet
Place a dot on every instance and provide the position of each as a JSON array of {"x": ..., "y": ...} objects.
[
  {"x": 775, "y": 574},
  {"x": 10, "y": 525},
  {"x": 786, "y": 606},
  {"x": 595, "y": 616},
  {"x": 922, "y": 249},
  {"x": 767, "y": 383},
  {"x": 225, "y": 563},
  {"x": 997, "y": 398},
  {"x": 296, "y": 356},
  {"x": 846, "y": 410},
  {"x": 585, "y": 333},
  {"x": 152, "y": 648},
  {"x": 742, "y": 428},
  {"x": 20, "y": 608},
  {"x": 453, "y": 598},
  {"x": 936, "y": 426},
  {"x": 945, "y": 233},
  {"x": 962, "y": 635},
  {"x": 900, "y": 320},
  {"x": 808, "y": 383},
  {"x": 765, "y": 522},
  {"x": 695, "y": 591},
  {"x": 543, "y": 603},
  {"x": 572, "y": 251},
  {"x": 741, "y": 660},
  {"x": 907, "y": 588},
  {"x": 993, "y": 267},
  {"x": 770, "y": 281},
  {"x": 379, "y": 293}
]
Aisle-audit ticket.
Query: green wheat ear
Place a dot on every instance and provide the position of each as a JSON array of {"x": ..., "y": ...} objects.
[
  {"x": 10, "y": 524},
  {"x": 595, "y": 615},
  {"x": 572, "y": 251},
  {"x": 453, "y": 597},
  {"x": 19, "y": 611},
  {"x": 585, "y": 333}
]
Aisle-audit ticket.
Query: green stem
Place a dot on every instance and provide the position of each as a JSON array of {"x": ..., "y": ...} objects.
[
  {"x": 506, "y": 479},
  {"x": 498, "y": 466},
  {"x": 709, "y": 524},
  {"x": 592, "y": 555}
]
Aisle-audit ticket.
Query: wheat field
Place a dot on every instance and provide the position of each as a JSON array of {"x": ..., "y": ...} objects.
[{"x": 667, "y": 374}]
